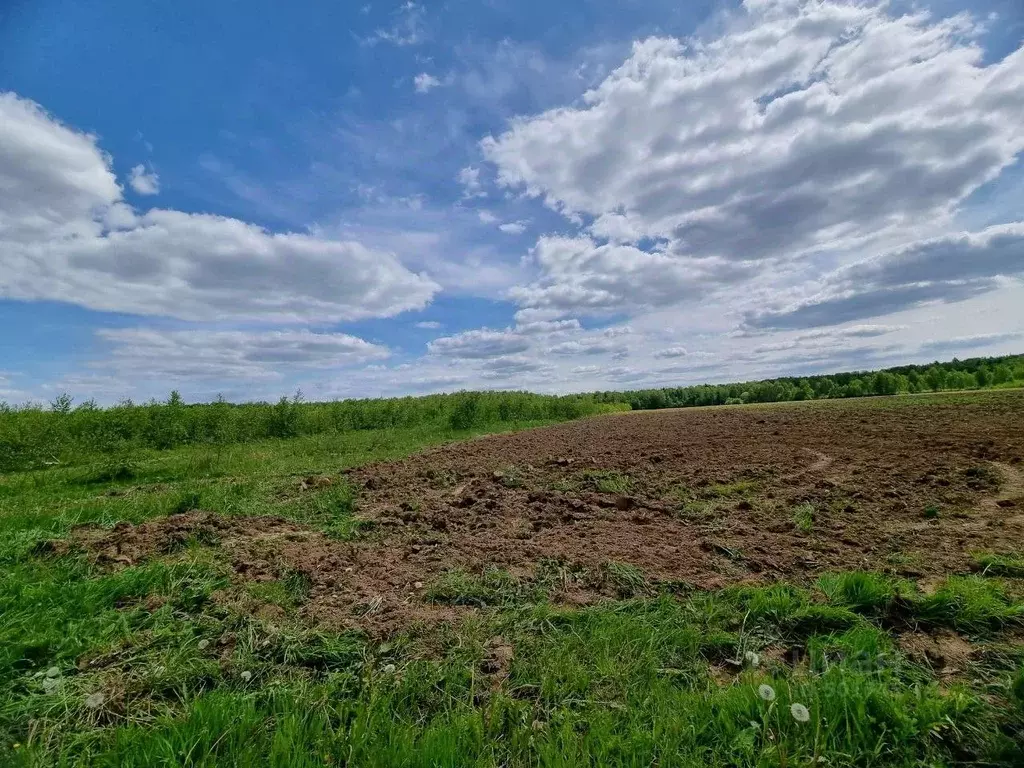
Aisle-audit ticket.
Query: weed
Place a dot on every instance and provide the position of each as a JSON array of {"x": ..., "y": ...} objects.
[
  {"x": 624, "y": 580},
  {"x": 931, "y": 511},
  {"x": 492, "y": 587},
  {"x": 734, "y": 489},
  {"x": 510, "y": 477},
  {"x": 608, "y": 481},
  {"x": 983, "y": 478},
  {"x": 803, "y": 517},
  {"x": 867, "y": 593},
  {"x": 969, "y": 603},
  {"x": 186, "y": 501},
  {"x": 118, "y": 470},
  {"x": 290, "y": 591},
  {"x": 1011, "y": 565}
]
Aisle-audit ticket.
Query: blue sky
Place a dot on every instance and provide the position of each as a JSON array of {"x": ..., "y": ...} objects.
[{"x": 363, "y": 200}]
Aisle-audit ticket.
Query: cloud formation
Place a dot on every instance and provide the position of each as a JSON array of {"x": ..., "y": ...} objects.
[
  {"x": 803, "y": 128},
  {"x": 423, "y": 82},
  {"x": 67, "y": 235},
  {"x": 249, "y": 355},
  {"x": 578, "y": 274},
  {"x": 144, "y": 182},
  {"x": 946, "y": 268}
]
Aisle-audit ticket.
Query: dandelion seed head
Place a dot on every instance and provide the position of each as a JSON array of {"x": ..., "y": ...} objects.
[
  {"x": 247, "y": 676},
  {"x": 752, "y": 659},
  {"x": 800, "y": 713},
  {"x": 766, "y": 692},
  {"x": 95, "y": 700},
  {"x": 389, "y": 669},
  {"x": 203, "y": 644}
]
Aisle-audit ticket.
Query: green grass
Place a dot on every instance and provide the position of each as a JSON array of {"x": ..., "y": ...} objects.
[
  {"x": 803, "y": 517},
  {"x": 608, "y": 481},
  {"x": 1001, "y": 565},
  {"x": 736, "y": 488},
  {"x": 152, "y": 670}
]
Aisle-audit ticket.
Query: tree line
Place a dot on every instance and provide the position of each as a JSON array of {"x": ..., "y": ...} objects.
[{"x": 975, "y": 373}]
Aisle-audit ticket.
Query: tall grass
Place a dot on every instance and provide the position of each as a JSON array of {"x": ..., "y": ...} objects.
[{"x": 32, "y": 436}]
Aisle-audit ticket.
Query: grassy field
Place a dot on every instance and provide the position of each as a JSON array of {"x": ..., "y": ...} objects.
[{"x": 143, "y": 665}]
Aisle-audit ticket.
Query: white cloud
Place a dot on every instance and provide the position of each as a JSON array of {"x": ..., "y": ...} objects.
[
  {"x": 429, "y": 325},
  {"x": 579, "y": 274},
  {"x": 480, "y": 343},
  {"x": 671, "y": 352},
  {"x": 144, "y": 182},
  {"x": 501, "y": 368},
  {"x": 972, "y": 342},
  {"x": 66, "y": 235},
  {"x": 585, "y": 347},
  {"x": 423, "y": 82},
  {"x": 489, "y": 343},
  {"x": 217, "y": 355},
  {"x": 513, "y": 227},
  {"x": 535, "y": 314},
  {"x": 469, "y": 178},
  {"x": 408, "y": 27},
  {"x": 486, "y": 217},
  {"x": 803, "y": 128},
  {"x": 536, "y": 327},
  {"x": 946, "y": 268},
  {"x": 50, "y": 175}
]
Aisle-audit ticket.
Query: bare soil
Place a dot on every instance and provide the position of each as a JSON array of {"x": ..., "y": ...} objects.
[{"x": 708, "y": 497}]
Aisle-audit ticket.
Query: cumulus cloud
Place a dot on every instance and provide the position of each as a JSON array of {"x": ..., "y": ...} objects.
[
  {"x": 481, "y": 343},
  {"x": 49, "y": 174},
  {"x": 144, "y": 182},
  {"x": 423, "y": 82},
  {"x": 511, "y": 365},
  {"x": 537, "y": 327},
  {"x": 579, "y": 274},
  {"x": 537, "y": 314},
  {"x": 489, "y": 343},
  {"x": 585, "y": 347},
  {"x": 803, "y": 127},
  {"x": 67, "y": 235},
  {"x": 947, "y": 268},
  {"x": 206, "y": 354}
]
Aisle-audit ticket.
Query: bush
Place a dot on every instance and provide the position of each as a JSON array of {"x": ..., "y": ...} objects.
[{"x": 31, "y": 437}]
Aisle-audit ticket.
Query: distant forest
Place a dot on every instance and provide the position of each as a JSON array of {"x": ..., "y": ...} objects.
[{"x": 975, "y": 373}]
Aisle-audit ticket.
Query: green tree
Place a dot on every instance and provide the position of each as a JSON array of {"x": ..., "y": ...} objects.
[
  {"x": 935, "y": 378},
  {"x": 883, "y": 383}
]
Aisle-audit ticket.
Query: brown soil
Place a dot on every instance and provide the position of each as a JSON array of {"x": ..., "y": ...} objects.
[
  {"x": 703, "y": 496},
  {"x": 946, "y": 652}
]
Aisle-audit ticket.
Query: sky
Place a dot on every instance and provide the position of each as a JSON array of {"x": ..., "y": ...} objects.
[{"x": 360, "y": 200}]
